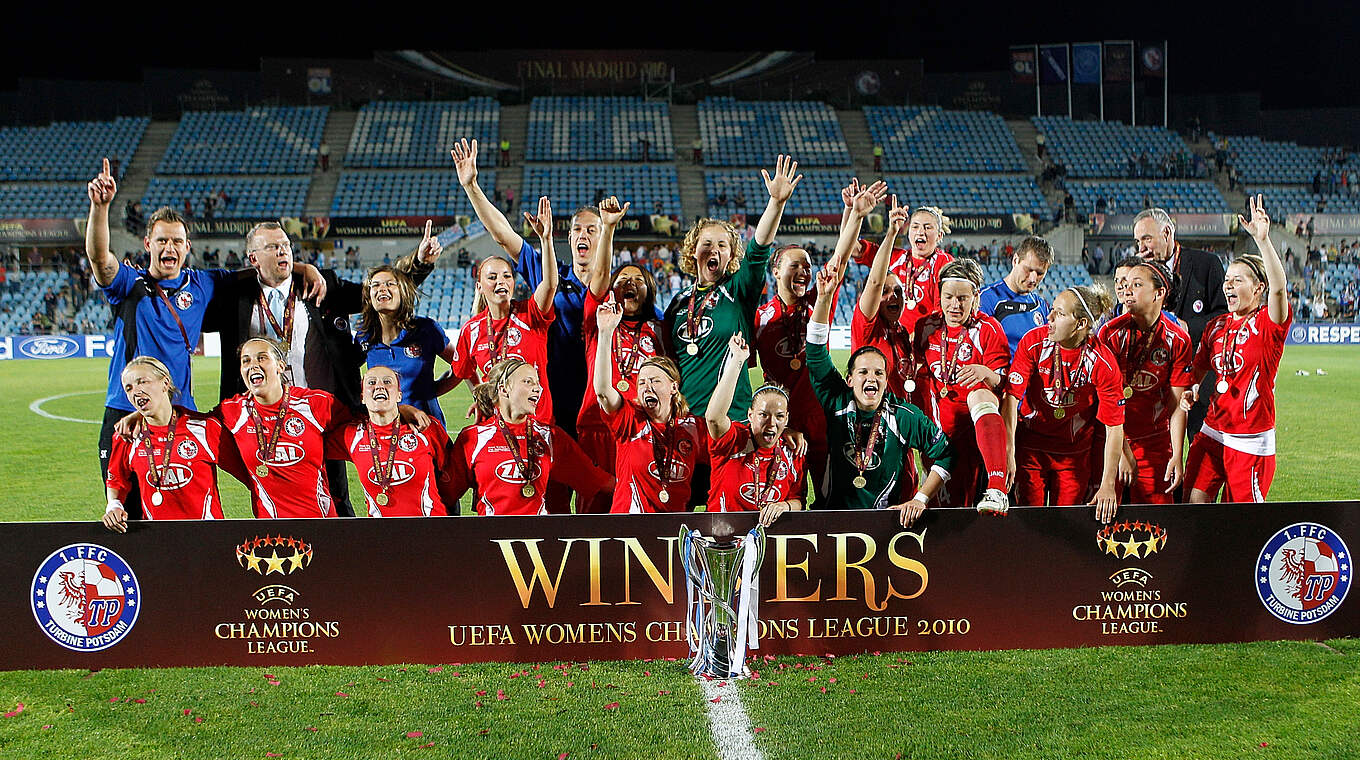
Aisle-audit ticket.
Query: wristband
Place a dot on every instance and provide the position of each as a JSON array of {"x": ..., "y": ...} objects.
[
  {"x": 113, "y": 504},
  {"x": 818, "y": 333},
  {"x": 921, "y": 497}
]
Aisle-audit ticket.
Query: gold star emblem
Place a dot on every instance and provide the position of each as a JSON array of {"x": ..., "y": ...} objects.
[
  {"x": 295, "y": 561},
  {"x": 274, "y": 563},
  {"x": 1131, "y": 547}
]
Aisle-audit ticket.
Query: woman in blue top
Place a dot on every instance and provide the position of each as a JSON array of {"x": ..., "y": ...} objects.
[{"x": 390, "y": 335}]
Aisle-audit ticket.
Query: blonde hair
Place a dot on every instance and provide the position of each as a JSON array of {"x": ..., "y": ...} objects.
[
  {"x": 486, "y": 395},
  {"x": 941, "y": 220},
  {"x": 963, "y": 269},
  {"x": 274, "y": 348},
  {"x": 156, "y": 366},
  {"x": 688, "y": 263},
  {"x": 680, "y": 407},
  {"x": 1095, "y": 300}
]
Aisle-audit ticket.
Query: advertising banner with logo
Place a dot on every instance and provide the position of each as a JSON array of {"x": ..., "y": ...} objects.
[
  {"x": 42, "y": 230},
  {"x": 1324, "y": 335},
  {"x": 1187, "y": 225},
  {"x": 1326, "y": 224},
  {"x": 962, "y": 224},
  {"x": 362, "y": 591},
  {"x": 55, "y": 346}
]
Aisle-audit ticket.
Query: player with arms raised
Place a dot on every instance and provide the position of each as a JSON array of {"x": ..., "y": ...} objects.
[{"x": 1235, "y": 449}]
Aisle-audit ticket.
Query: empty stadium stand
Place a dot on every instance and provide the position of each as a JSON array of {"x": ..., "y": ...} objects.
[
  {"x": 68, "y": 150},
  {"x": 570, "y": 187},
  {"x": 1103, "y": 149},
  {"x": 1130, "y": 197},
  {"x": 268, "y": 198},
  {"x": 43, "y": 201},
  {"x": 280, "y": 140},
  {"x": 820, "y": 193},
  {"x": 598, "y": 129},
  {"x": 404, "y": 193},
  {"x": 407, "y": 134},
  {"x": 1265, "y": 162},
  {"x": 1282, "y": 200},
  {"x": 931, "y": 139},
  {"x": 752, "y": 133}
]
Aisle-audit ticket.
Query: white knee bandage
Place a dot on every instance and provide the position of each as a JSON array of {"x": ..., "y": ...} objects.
[{"x": 984, "y": 409}]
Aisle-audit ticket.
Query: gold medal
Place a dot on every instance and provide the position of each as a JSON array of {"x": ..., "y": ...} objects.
[
  {"x": 1128, "y": 392},
  {"x": 622, "y": 386},
  {"x": 381, "y": 499},
  {"x": 1222, "y": 386},
  {"x": 527, "y": 491},
  {"x": 284, "y": 347},
  {"x": 911, "y": 304},
  {"x": 261, "y": 471},
  {"x": 795, "y": 364},
  {"x": 1059, "y": 413},
  {"x": 944, "y": 393},
  {"x": 664, "y": 496},
  {"x": 859, "y": 481},
  {"x": 692, "y": 349},
  {"x": 156, "y": 498}
]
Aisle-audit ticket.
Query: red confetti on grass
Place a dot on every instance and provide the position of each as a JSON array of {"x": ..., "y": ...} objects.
[
  {"x": 414, "y": 734},
  {"x": 771, "y": 683},
  {"x": 481, "y": 692},
  {"x": 198, "y": 719},
  {"x": 187, "y": 711},
  {"x": 715, "y": 700},
  {"x": 140, "y": 701},
  {"x": 341, "y": 694},
  {"x": 313, "y": 729},
  {"x": 268, "y": 677},
  {"x": 812, "y": 678},
  {"x": 1265, "y": 744},
  {"x": 570, "y": 684},
  {"x": 758, "y": 730},
  {"x": 426, "y": 746},
  {"x": 852, "y": 691},
  {"x": 273, "y": 754},
  {"x": 484, "y": 732},
  {"x": 114, "y": 699},
  {"x": 564, "y": 756},
  {"x": 662, "y": 693},
  {"x": 49, "y": 725},
  {"x": 273, "y": 683},
  {"x": 831, "y": 679},
  {"x": 823, "y": 689},
  {"x": 542, "y": 683},
  {"x": 253, "y": 703},
  {"x": 500, "y": 695},
  {"x": 436, "y": 669},
  {"x": 612, "y": 706},
  {"x": 646, "y": 673},
  {"x": 477, "y": 704},
  {"x": 387, "y": 680}
]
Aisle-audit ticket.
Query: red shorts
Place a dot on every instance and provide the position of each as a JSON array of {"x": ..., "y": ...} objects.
[
  {"x": 1046, "y": 479},
  {"x": 1242, "y": 477},
  {"x": 967, "y": 475},
  {"x": 1151, "y": 455}
]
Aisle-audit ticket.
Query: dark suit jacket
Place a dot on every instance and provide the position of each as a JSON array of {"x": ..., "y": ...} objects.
[
  {"x": 1199, "y": 291},
  {"x": 331, "y": 359}
]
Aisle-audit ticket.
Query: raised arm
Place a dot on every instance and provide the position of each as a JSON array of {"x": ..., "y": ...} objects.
[
  {"x": 1277, "y": 285},
  {"x": 872, "y": 294},
  {"x": 102, "y": 262},
  {"x": 721, "y": 400},
  {"x": 465, "y": 160},
  {"x": 848, "y": 248},
  {"x": 602, "y": 261},
  {"x": 606, "y": 320},
  {"x": 780, "y": 187},
  {"x": 543, "y": 227}
]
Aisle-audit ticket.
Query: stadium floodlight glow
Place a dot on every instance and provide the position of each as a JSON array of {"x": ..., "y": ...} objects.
[{"x": 722, "y": 621}]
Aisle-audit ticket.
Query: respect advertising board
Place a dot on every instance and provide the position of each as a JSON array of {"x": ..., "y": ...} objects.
[
  {"x": 1324, "y": 334},
  {"x": 380, "y": 591}
]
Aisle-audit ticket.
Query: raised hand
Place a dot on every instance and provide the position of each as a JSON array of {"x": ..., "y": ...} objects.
[
  {"x": 611, "y": 213},
  {"x": 608, "y": 316},
  {"x": 542, "y": 221},
  {"x": 849, "y": 192},
  {"x": 430, "y": 248},
  {"x": 781, "y": 185},
  {"x": 103, "y": 187},
  {"x": 465, "y": 161},
  {"x": 828, "y": 280},
  {"x": 898, "y": 216},
  {"x": 868, "y": 198},
  {"x": 1258, "y": 226},
  {"x": 737, "y": 350}
]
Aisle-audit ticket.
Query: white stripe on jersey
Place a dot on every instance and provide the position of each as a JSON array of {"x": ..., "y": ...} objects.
[
  {"x": 323, "y": 498},
  {"x": 265, "y": 502},
  {"x": 426, "y": 500}
]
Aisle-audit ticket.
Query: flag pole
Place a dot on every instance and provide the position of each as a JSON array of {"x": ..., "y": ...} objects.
[
  {"x": 1067, "y": 48},
  {"x": 1133, "y": 84},
  {"x": 1166, "y": 88},
  {"x": 1038, "y": 99},
  {"x": 1102, "y": 81}
]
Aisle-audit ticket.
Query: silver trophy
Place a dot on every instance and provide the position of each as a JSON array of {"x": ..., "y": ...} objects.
[{"x": 722, "y": 620}]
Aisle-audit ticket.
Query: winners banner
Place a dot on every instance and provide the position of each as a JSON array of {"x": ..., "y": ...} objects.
[{"x": 381, "y": 591}]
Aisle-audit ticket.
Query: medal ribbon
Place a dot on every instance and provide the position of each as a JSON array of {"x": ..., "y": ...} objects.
[
  {"x": 1230, "y": 339},
  {"x": 523, "y": 462},
  {"x": 795, "y": 322},
  {"x": 272, "y": 444},
  {"x": 1062, "y": 378},
  {"x": 864, "y": 455},
  {"x": 627, "y": 361},
  {"x": 770, "y": 469},
  {"x": 692, "y": 317},
  {"x": 663, "y": 451},
  {"x": 284, "y": 331},
  {"x": 949, "y": 362},
  {"x": 157, "y": 476},
  {"x": 384, "y": 470},
  {"x": 1132, "y": 360}
]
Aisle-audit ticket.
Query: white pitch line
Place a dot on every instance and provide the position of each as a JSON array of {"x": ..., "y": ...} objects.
[
  {"x": 731, "y": 727},
  {"x": 36, "y": 408}
]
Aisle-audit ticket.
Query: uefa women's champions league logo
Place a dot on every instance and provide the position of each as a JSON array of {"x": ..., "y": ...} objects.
[
  {"x": 1303, "y": 573},
  {"x": 85, "y": 597}
]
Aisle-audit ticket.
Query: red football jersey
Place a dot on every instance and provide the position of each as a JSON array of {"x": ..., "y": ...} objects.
[
  {"x": 644, "y": 449},
  {"x": 634, "y": 343},
  {"x": 294, "y": 483},
  {"x": 982, "y": 341},
  {"x": 483, "y": 460},
  {"x": 188, "y": 486},
  {"x": 740, "y": 471},
  {"x": 1151, "y": 364},
  {"x": 1246, "y": 353},
  {"x": 893, "y": 340},
  {"x": 484, "y": 341},
  {"x": 780, "y": 340},
  {"x": 920, "y": 278},
  {"x": 416, "y": 466},
  {"x": 1059, "y": 405}
]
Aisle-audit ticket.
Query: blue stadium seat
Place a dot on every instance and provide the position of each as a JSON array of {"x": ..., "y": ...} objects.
[
  {"x": 752, "y": 133},
  {"x": 404, "y": 193},
  {"x": 570, "y": 187},
  {"x": 931, "y": 139},
  {"x": 598, "y": 129},
  {"x": 1103, "y": 148},
  {"x": 399, "y": 134},
  {"x": 44, "y": 201},
  {"x": 282, "y": 140},
  {"x": 247, "y": 198},
  {"x": 69, "y": 150},
  {"x": 1130, "y": 197},
  {"x": 1265, "y": 162}
]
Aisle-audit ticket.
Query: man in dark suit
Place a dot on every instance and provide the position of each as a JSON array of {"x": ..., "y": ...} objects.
[
  {"x": 1198, "y": 293},
  {"x": 267, "y": 300}
]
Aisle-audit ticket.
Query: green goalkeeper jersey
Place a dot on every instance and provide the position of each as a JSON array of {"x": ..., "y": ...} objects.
[
  {"x": 727, "y": 308},
  {"x": 904, "y": 427}
]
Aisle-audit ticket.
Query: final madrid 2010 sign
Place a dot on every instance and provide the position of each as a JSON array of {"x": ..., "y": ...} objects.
[{"x": 365, "y": 591}]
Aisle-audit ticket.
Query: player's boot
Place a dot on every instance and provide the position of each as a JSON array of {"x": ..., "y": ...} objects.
[{"x": 994, "y": 501}]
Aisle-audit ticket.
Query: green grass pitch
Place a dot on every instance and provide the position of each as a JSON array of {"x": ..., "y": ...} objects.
[{"x": 1270, "y": 699}]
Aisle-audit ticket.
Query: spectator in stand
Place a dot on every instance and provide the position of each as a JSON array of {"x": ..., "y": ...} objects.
[
  {"x": 505, "y": 151},
  {"x": 878, "y": 158},
  {"x": 324, "y": 154},
  {"x": 698, "y": 147}
]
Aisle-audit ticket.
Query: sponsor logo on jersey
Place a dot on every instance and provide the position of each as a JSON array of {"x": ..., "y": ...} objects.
[
  {"x": 413, "y": 351},
  {"x": 1160, "y": 356},
  {"x": 408, "y": 442},
  {"x": 294, "y": 426},
  {"x": 286, "y": 454},
  {"x": 85, "y": 597},
  {"x": 401, "y": 473},
  {"x": 513, "y": 336},
  {"x": 173, "y": 478},
  {"x": 1143, "y": 380},
  {"x": 273, "y": 554},
  {"x": 788, "y": 346},
  {"x": 677, "y": 472},
  {"x": 1138, "y": 539},
  {"x": 965, "y": 351},
  {"x": 705, "y": 328},
  {"x": 509, "y": 472},
  {"x": 748, "y": 493},
  {"x": 49, "y": 347},
  {"x": 849, "y": 452},
  {"x": 1303, "y": 573},
  {"x": 184, "y": 299},
  {"x": 647, "y": 344},
  {"x": 186, "y": 449}
]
